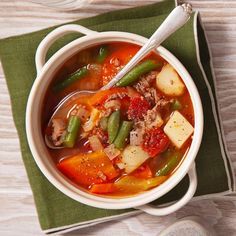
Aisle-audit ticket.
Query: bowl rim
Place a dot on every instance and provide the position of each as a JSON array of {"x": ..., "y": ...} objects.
[{"x": 53, "y": 174}]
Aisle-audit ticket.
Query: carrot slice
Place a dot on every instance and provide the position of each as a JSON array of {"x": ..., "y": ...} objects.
[
  {"x": 102, "y": 188},
  {"x": 87, "y": 169}
]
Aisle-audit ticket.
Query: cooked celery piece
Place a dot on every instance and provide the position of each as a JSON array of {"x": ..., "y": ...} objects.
[
  {"x": 137, "y": 71},
  {"x": 113, "y": 125},
  {"x": 77, "y": 75},
  {"x": 125, "y": 128},
  {"x": 71, "y": 132},
  {"x": 102, "y": 54}
]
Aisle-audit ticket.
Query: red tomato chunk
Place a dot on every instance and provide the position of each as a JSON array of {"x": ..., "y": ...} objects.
[{"x": 155, "y": 142}]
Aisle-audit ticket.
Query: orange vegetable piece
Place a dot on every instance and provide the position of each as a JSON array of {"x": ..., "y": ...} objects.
[
  {"x": 100, "y": 97},
  {"x": 103, "y": 188},
  {"x": 86, "y": 169}
]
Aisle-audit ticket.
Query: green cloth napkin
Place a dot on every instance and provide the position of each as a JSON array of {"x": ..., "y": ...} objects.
[{"x": 57, "y": 211}]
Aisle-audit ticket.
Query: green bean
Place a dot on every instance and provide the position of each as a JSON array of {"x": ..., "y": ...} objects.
[
  {"x": 102, "y": 54},
  {"x": 77, "y": 75},
  {"x": 113, "y": 125},
  {"x": 72, "y": 131},
  {"x": 137, "y": 71},
  {"x": 104, "y": 123},
  {"x": 169, "y": 166},
  {"x": 123, "y": 133},
  {"x": 176, "y": 105}
]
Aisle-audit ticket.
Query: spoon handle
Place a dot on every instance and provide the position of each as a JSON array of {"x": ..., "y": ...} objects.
[{"x": 175, "y": 20}]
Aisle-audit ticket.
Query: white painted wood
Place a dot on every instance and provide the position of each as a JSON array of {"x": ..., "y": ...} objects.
[{"x": 17, "y": 210}]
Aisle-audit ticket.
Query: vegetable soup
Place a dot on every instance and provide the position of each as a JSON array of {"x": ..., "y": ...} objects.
[{"x": 121, "y": 141}]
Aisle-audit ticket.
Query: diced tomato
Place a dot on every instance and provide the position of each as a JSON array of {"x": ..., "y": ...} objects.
[
  {"x": 143, "y": 171},
  {"x": 102, "y": 188},
  {"x": 85, "y": 169},
  {"x": 100, "y": 97},
  {"x": 125, "y": 101},
  {"x": 155, "y": 142},
  {"x": 138, "y": 108}
]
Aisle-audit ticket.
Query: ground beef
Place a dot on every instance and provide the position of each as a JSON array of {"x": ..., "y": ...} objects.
[
  {"x": 153, "y": 117},
  {"x": 58, "y": 131},
  {"x": 144, "y": 86}
]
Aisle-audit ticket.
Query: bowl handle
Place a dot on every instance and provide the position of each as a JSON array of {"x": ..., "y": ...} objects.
[
  {"x": 52, "y": 37},
  {"x": 161, "y": 211}
]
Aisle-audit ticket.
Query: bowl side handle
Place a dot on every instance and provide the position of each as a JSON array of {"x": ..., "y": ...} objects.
[
  {"x": 161, "y": 211},
  {"x": 45, "y": 44}
]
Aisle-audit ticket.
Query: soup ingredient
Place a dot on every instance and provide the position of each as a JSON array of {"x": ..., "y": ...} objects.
[
  {"x": 144, "y": 171},
  {"x": 113, "y": 104},
  {"x": 81, "y": 112},
  {"x": 99, "y": 98},
  {"x": 102, "y": 54},
  {"x": 104, "y": 123},
  {"x": 89, "y": 168},
  {"x": 136, "y": 137},
  {"x": 103, "y": 188},
  {"x": 72, "y": 131},
  {"x": 123, "y": 134},
  {"x": 145, "y": 87},
  {"x": 178, "y": 129},
  {"x": 153, "y": 118},
  {"x": 155, "y": 142},
  {"x": 138, "y": 108},
  {"x": 128, "y": 184},
  {"x": 58, "y": 131},
  {"x": 113, "y": 125},
  {"x": 133, "y": 184},
  {"x": 133, "y": 157},
  {"x": 111, "y": 151},
  {"x": 169, "y": 82},
  {"x": 79, "y": 74},
  {"x": 90, "y": 124},
  {"x": 95, "y": 143},
  {"x": 170, "y": 165},
  {"x": 176, "y": 105},
  {"x": 137, "y": 71}
]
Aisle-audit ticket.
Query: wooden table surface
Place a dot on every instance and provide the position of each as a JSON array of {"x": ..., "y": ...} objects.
[{"x": 17, "y": 211}]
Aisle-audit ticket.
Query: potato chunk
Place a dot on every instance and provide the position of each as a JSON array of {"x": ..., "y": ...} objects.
[
  {"x": 133, "y": 157},
  {"x": 178, "y": 129},
  {"x": 169, "y": 82}
]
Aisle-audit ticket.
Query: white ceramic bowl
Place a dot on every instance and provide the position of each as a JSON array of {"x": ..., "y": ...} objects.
[{"x": 45, "y": 73}]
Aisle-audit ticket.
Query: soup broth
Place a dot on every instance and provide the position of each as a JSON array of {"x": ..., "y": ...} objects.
[{"x": 121, "y": 141}]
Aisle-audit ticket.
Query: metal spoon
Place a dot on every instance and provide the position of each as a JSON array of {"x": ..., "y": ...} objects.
[{"x": 175, "y": 20}]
